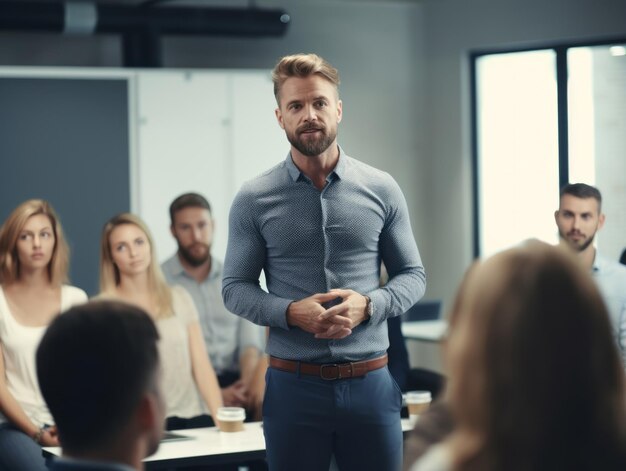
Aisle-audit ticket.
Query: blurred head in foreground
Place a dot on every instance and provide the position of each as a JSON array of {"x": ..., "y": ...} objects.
[
  {"x": 99, "y": 372},
  {"x": 535, "y": 378}
]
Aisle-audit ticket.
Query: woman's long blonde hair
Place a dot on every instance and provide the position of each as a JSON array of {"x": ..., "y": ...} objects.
[
  {"x": 9, "y": 260},
  {"x": 535, "y": 379},
  {"x": 110, "y": 274}
]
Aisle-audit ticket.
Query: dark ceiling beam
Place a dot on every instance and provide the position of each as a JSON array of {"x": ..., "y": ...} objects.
[
  {"x": 27, "y": 15},
  {"x": 141, "y": 26}
]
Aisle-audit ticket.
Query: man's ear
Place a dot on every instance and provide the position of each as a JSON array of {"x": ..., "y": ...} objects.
[
  {"x": 601, "y": 220},
  {"x": 279, "y": 117},
  {"x": 148, "y": 411},
  {"x": 150, "y": 421},
  {"x": 556, "y": 216},
  {"x": 173, "y": 231}
]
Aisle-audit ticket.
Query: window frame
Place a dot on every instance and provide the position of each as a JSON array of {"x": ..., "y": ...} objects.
[{"x": 560, "y": 49}]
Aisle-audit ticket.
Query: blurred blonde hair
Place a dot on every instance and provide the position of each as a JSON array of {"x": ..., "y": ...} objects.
[
  {"x": 110, "y": 274},
  {"x": 535, "y": 379},
  {"x": 13, "y": 225}
]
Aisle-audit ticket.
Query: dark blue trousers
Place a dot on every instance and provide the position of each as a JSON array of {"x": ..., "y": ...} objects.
[{"x": 306, "y": 419}]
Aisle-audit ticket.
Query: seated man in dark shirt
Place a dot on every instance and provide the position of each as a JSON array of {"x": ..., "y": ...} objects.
[{"x": 99, "y": 373}]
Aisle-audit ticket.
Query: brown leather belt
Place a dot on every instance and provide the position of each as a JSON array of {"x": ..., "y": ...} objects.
[{"x": 330, "y": 371}]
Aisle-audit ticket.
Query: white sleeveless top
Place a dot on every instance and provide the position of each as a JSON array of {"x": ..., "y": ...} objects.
[{"x": 19, "y": 345}]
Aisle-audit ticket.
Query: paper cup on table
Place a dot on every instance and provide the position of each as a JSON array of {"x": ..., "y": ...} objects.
[
  {"x": 230, "y": 419},
  {"x": 418, "y": 401}
]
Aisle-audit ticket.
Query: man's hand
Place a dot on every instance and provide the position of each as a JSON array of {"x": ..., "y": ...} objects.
[
  {"x": 344, "y": 316},
  {"x": 235, "y": 395},
  {"x": 306, "y": 315}
]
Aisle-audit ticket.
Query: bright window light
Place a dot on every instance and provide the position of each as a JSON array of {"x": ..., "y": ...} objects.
[
  {"x": 617, "y": 50},
  {"x": 517, "y": 148},
  {"x": 581, "y": 116}
]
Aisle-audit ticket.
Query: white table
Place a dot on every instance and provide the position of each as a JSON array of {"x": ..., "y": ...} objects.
[
  {"x": 206, "y": 446},
  {"x": 209, "y": 446},
  {"x": 425, "y": 331}
]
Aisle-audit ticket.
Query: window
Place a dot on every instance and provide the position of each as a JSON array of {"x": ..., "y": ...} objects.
[{"x": 542, "y": 118}]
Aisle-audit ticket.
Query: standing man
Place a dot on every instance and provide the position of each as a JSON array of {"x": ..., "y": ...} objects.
[
  {"x": 319, "y": 225},
  {"x": 578, "y": 218},
  {"x": 234, "y": 344},
  {"x": 99, "y": 372}
]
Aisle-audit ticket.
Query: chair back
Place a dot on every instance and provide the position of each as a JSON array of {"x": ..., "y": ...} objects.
[{"x": 423, "y": 310}]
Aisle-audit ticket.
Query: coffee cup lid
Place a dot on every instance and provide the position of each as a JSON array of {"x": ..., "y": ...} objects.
[
  {"x": 231, "y": 414},
  {"x": 419, "y": 396}
]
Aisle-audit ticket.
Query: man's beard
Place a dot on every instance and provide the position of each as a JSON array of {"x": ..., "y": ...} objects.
[
  {"x": 578, "y": 247},
  {"x": 190, "y": 258},
  {"x": 311, "y": 147}
]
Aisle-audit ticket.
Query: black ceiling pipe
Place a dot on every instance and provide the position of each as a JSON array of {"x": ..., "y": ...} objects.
[
  {"x": 118, "y": 18},
  {"x": 142, "y": 49},
  {"x": 141, "y": 26}
]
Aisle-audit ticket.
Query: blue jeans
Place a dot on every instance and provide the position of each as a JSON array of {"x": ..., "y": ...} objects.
[
  {"x": 306, "y": 419},
  {"x": 19, "y": 452}
]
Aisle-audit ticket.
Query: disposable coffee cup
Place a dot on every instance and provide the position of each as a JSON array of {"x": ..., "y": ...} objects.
[
  {"x": 418, "y": 401},
  {"x": 230, "y": 419}
]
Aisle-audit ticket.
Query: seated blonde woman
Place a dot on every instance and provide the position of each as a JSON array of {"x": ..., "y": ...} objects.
[
  {"x": 535, "y": 380},
  {"x": 129, "y": 271}
]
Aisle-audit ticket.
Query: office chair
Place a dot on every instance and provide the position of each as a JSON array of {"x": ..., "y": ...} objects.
[
  {"x": 424, "y": 310},
  {"x": 412, "y": 379}
]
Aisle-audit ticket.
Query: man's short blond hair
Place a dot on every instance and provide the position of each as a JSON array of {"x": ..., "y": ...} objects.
[{"x": 302, "y": 66}]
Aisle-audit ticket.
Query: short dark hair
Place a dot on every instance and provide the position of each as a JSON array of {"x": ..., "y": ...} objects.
[
  {"x": 94, "y": 363},
  {"x": 188, "y": 200},
  {"x": 582, "y": 190}
]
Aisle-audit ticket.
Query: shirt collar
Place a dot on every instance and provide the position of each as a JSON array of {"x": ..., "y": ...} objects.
[
  {"x": 216, "y": 268},
  {"x": 296, "y": 174},
  {"x": 598, "y": 263},
  {"x": 176, "y": 268}
]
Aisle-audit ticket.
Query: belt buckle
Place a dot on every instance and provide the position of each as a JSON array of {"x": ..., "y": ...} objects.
[{"x": 330, "y": 365}]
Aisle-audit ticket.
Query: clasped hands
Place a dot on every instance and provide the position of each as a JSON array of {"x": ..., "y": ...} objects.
[
  {"x": 47, "y": 436},
  {"x": 235, "y": 395},
  {"x": 335, "y": 322}
]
